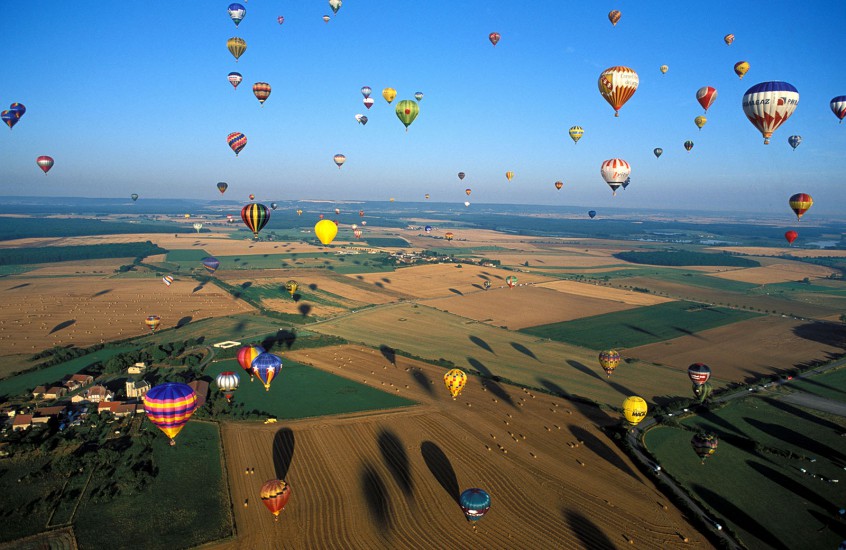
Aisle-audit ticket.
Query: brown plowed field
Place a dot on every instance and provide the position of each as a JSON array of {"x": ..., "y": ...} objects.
[
  {"x": 749, "y": 349},
  {"x": 84, "y": 310},
  {"x": 391, "y": 479},
  {"x": 776, "y": 273}
]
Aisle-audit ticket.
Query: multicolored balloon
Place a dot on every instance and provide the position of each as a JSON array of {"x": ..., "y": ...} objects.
[
  {"x": 361, "y": 119},
  {"x": 245, "y": 357},
  {"x": 663, "y": 69},
  {"x": 449, "y": 235},
  {"x": 169, "y": 406},
  {"x": 407, "y": 111},
  {"x": 455, "y": 381},
  {"x": 699, "y": 373},
  {"x": 794, "y": 141},
  {"x": 45, "y": 163},
  {"x": 366, "y": 91},
  {"x": 275, "y": 494},
  {"x": 741, "y": 68},
  {"x": 153, "y": 321},
  {"x": 9, "y": 117},
  {"x": 768, "y": 104},
  {"x": 266, "y": 367},
  {"x": 704, "y": 445},
  {"x": 729, "y": 38},
  {"x": 576, "y": 133},
  {"x": 800, "y": 203},
  {"x": 609, "y": 360},
  {"x": 615, "y": 172},
  {"x": 688, "y": 145},
  {"x": 614, "y": 17},
  {"x": 509, "y": 175},
  {"x": 222, "y": 186},
  {"x": 838, "y": 107},
  {"x": 511, "y": 281},
  {"x": 255, "y": 217},
  {"x": 559, "y": 185},
  {"x": 368, "y": 102},
  {"x": 339, "y": 160},
  {"x": 211, "y": 264},
  {"x": 237, "y": 141},
  {"x": 227, "y": 382},
  {"x": 706, "y": 95},
  {"x": 418, "y": 96},
  {"x": 634, "y": 409},
  {"x": 326, "y": 230},
  {"x": 252, "y": 197},
  {"x": 326, "y": 18},
  {"x": 167, "y": 280},
  {"x": 237, "y": 13},
  {"x": 617, "y": 85},
  {"x": 262, "y": 91},
  {"x": 494, "y": 38},
  {"x": 236, "y": 46},
  {"x": 475, "y": 503}
]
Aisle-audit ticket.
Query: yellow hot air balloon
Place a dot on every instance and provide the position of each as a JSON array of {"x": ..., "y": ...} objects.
[
  {"x": 389, "y": 94},
  {"x": 617, "y": 85},
  {"x": 237, "y": 47},
  {"x": 634, "y": 409},
  {"x": 455, "y": 380},
  {"x": 664, "y": 69},
  {"x": 509, "y": 175},
  {"x": 326, "y": 231},
  {"x": 291, "y": 286},
  {"x": 576, "y": 133},
  {"x": 299, "y": 211},
  {"x": 700, "y": 121},
  {"x": 741, "y": 67}
]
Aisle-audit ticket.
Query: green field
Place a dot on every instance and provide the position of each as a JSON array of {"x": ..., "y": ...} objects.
[
  {"x": 469, "y": 250},
  {"x": 755, "y": 435},
  {"x": 6, "y": 270},
  {"x": 27, "y": 381},
  {"x": 800, "y": 287},
  {"x": 301, "y": 391},
  {"x": 187, "y": 256},
  {"x": 186, "y": 505},
  {"x": 386, "y": 242},
  {"x": 23, "y": 510},
  {"x": 831, "y": 385},
  {"x": 676, "y": 275},
  {"x": 640, "y": 326}
]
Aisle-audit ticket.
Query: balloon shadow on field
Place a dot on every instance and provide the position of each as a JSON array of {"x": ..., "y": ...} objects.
[
  {"x": 246, "y": 285},
  {"x": 490, "y": 381},
  {"x": 396, "y": 460},
  {"x": 583, "y": 368},
  {"x": 605, "y": 452},
  {"x": 441, "y": 468},
  {"x": 184, "y": 321},
  {"x": 590, "y": 411},
  {"x": 792, "y": 485},
  {"x": 740, "y": 518},
  {"x": 476, "y": 285},
  {"x": 376, "y": 494},
  {"x": 456, "y": 291},
  {"x": 588, "y": 533},
  {"x": 524, "y": 350},
  {"x": 388, "y": 353},
  {"x": 481, "y": 343},
  {"x": 795, "y": 438},
  {"x": 18, "y": 286},
  {"x": 688, "y": 332},
  {"x": 620, "y": 388},
  {"x": 830, "y": 334},
  {"x": 283, "y": 452},
  {"x": 282, "y": 337},
  {"x": 709, "y": 416},
  {"x": 202, "y": 285},
  {"x": 837, "y": 527},
  {"x": 63, "y": 325},
  {"x": 422, "y": 381},
  {"x": 304, "y": 309},
  {"x": 641, "y": 330},
  {"x": 105, "y": 291},
  {"x": 799, "y": 413}
]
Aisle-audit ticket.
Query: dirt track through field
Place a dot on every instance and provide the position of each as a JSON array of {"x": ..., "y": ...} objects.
[{"x": 391, "y": 479}]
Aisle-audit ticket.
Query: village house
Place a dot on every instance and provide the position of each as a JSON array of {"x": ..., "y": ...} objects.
[
  {"x": 96, "y": 394},
  {"x": 55, "y": 392},
  {"x": 137, "y": 368},
  {"x": 201, "y": 388},
  {"x": 39, "y": 391},
  {"x": 21, "y": 422},
  {"x": 71, "y": 385},
  {"x": 136, "y": 389},
  {"x": 82, "y": 379},
  {"x": 50, "y": 412},
  {"x": 117, "y": 408}
]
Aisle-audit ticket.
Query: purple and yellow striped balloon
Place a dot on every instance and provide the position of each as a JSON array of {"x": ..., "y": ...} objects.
[{"x": 169, "y": 406}]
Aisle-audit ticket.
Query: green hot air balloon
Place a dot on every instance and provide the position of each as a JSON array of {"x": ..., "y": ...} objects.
[{"x": 407, "y": 111}]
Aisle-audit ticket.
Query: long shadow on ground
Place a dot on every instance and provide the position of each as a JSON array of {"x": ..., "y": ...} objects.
[
  {"x": 63, "y": 325},
  {"x": 396, "y": 459},
  {"x": 491, "y": 385},
  {"x": 588, "y": 533},
  {"x": 481, "y": 343},
  {"x": 805, "y": 493},
  {"x": 422, "y": 381},
  {"x": 583, "y": 368},
  {"x": 800, "y": 413},
  {"x": 283, "y": 452},
  {"x": 524, "y": 350},
  {"x": 604, "y": 451},
  {"x": 740, "y": 518},
  {"x": 376, "y": 494},
  {"x": 795, "y": 438},
  {"x": 441, "y": 468}
]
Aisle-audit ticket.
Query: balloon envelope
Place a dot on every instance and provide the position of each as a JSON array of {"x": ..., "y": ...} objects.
[
  {"x": 741, "y": 68},
  {"x": 800, "y": 203},
  {"x": 407, "y": 111},
  {"x": 389, "y": 94},
  {"x": 729, "y": 38},
  {"x": 634, "y": 409},
  {"x": 658, "y": 152},
  {"x": 291, "y": 286},
  {"x": 688, "y": 145},
  {"x": 168, "y": 280},
  {"x": 227, "y": 381},
  {"x": 211, "y": 264},
  {"x": 222, "y": 186},
  {"x": 266, "y": 367},
  {"x": 274, "y": 495},
  {"x": 455, "y": 381},
  {"x": 614, "y": 17},
  {"x": 326, "y": 230},
  {"x": 236, "y": 46},
  {"x": 576, "y": 133},
  {"x": 609, "y": 360},
  {"x": 237, "y": 141},
  {"x": 366, "y": 91},
  {"x": 617, "y": 85},
  {"x": 475, "y": 503},
  {"x": 235, "y": 79},
  {"x": 340, "y": 160},
  {"x": 237, "y": 13},
  {"x": 699, "y": 373},
  {"x": 418, "y": 96},
  {"x": 704, "y": 444},
  {"x": 246, "y": 355},
  {"x": 768, "y": 105},
  {"x": 169, "y": 406},
  {"x": 255, "y": 216},
  {"x": 615, "y": 172},
  {"x": 559, "y": 185},
  {"x": 592, "y": 214},
  {"x": 838, "y": 107},
  {"x": 509, "y": 175},
  {"x": 494, "y": 38},
  {"x": 794, "y": 141},
  {"x": 706, "y": 95},
  {"x": 262, "y": 91},
  {"x": 791, "y": 236},
  {"x": 45, "y": 163},
  {"x": 153, "y": 321},
  {"x": 134, "y": 197}
]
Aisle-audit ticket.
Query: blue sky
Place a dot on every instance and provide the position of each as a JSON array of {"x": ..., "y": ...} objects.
[{"x": 133, "y": 97}]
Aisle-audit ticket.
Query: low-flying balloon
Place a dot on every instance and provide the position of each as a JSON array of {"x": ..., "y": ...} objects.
[
  {"x": 475, "y": 503},
  {"x": 211, "y": 264},
  {"x": 559, "y": 185},
  {"x": 768, "y": 105},
  {"x": 428, "y": 229},
  {"x": 167, "y": 280},
  {"x": 494, "y": 38},
  {"x": 274, "y": 495},
  {"x": 455, "y": 381},
  {"x": 222, "y": 186},
  {"x": 448, "y": 235},
  {"x": 706, "y": 95},
  {"x": 617, "y": 85},
  {"x": 153, "y": 322},
  {"x": 262, "y": 91},
  {"x": 700, "y": 121},
  {"x": 704, "y": 445},
  {"x": 236, "y": 46},
  {"x": 237, "y": 141},
  {"x": 245, "y": 357},
  {"x": 658, "y": 152},
  {"x": 615, "y": 172},
  {"x": 325, "y": 230},
  {"x": 227, "y": 382},
  {"x": 389, "y": 94},
  {"x": 45, "y": 163},
  {"x": 299, "y": 211},
  {"x": 729, "y": 38},
  {"x": 466, "y": 203},
  {"x": 800, "y": 203},
  {"x": 576, "y": 133},
  {"x": 252, "y": 197},
  {"x": 699, "y": 373},
  {"x": 337, "y": 211},
  {"x": 266, "y": 367},
  {"x": 791, "y": 236},
  {"x": 634, "y": 409},
  {"x": 357, "y": 233},
  {"x": 361, "y": 213},
  {"x": 237, "y": 13},
  {"x": 741, "y": 68},
  {"x": 198, "y": 226},
  {"x": 592, "y": 214},
  {"x": 614, "y": 17},
  {"x": 688, "y": 145},
  {"x": 838, "y": 107},
  {"x": 609, "y": 360},
  {"x": 255, "y": 216},
  {"x": 468, "y": 191},
  {"x": 169, "y": 406},
  {"x": 407, "y": 111},
  {"x": 794, "y": 141},
  {"x": 511, "y": 280}
]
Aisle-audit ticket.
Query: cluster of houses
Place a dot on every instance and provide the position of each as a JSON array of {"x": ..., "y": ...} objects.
[{"x": 68, "y": 412}]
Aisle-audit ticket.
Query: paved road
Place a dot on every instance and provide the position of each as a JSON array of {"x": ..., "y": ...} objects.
[{"x": 815, "y": 402}]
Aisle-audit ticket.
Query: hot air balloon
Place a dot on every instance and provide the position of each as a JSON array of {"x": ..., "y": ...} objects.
[
  {"x": 255, "y": 217},
  {"x": 262, "y": 91},
  {"x": 448, "y": 235},
  {"x": 237, "y": 13},
  {"x": 211, "y": 264},
  {"x": 475, "y": 503},
  {"x": 768, "y": 104},
  {"x": 426, "y": 196},
  {"x": 559, "y": 185},
  {"x": 455, "y": 381},
  {"x": 245, "y": 358},
  {"x": 266, "y": 367},
  {"x": 335, "y": 5},
  {"x": 389, "y": 94},
  {"x": 366, "y": 91},
  {"x": 337, "y": 211},
  {"x": 18, "y": 109},
  {"x": 153, "y": 321},
  {"x": 658, "y": 152},
  {"x": 252, "y": 197},
  {"x": 609, "y": 360},
  {"x": 169, "y": 406},
  {"x": 9, "y": 117},
  {"x": 509, "y": 175},
  {"x": 237, "y": 141},
  {"x": 236, "y": 46},
  {"x": 198, "y": 226},
  {"x": 235, "y": 79},
  {"x": 273, "y": 206},
  {"x": 461, "y": 175},
  {"x": 740, "y": 68},
  {"x": 688, "y": 145},
  {"x": 368, "y": 102},
  {"x": 275, "y": 494},
  {"x": 357, "y": 233},
  {"x": 614, "y": 16},
  {"x": 339, "y": 160},
  {"x": 45, "y": 163},
  {"x": 699, "y": 373},
  {"x": 702, "y": 391},
  {"x": 700, "y": 121},
  {"x": 634, "y": 409},
  {"x": 838, "y": 107},
  {"x": 407, "y": 111},
  {"x": 487, "y": 284},
  {"x": 664, "y": 69},
  {"x": 222, "y": 186},
  {"x": 167, "y": 280},
  {"x": 280, "y": 19},
  {"x": 230, "y": 218},
  {"x": 704, "y": 445},
  {"x": 354, "y": 226},
  {"x": 466, "y": 203},
  {"x": 187, "y": 215},
  {"x": 134, "y": 197},
  {"x": 468, "y": 191},
  {"x": 794, "y": 141},
  {"x": 428, "y": 229},
  {"x": 361, "y": 213},
  {"x": 617, "y": 85},
  {"x": 326, "y": 231},
  {"x": 511, "y": 280},
  {"x": 800, "y": 203},
  {"x": 592, "y": 214},
  {"x": 227, "y": 382},
  {"x": 494, "y": 38},
  {"x": 615, "y": 172},
  {"x": 729, "y": 38},
  {"x": 299, "y": 212},
  {"x": 320, "y": 216},
  {"x": 706, "y": 96},
  {"x": 576, "y": 133},
  {"x": 791, "y": 236},
  {"x": 361, "y": 119},
  {"x": 326, "y": 18},
  {"x": 418, "y": 96}
]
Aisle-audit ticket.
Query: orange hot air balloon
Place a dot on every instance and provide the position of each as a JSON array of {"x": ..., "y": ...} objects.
[
  {"x": 468, "y": 191},
  {"x": 274, "y": 495},
  {"x": 448, "y": 235},
  {"x": 559, "y": 185},
  {"x": 617, "y": 85},
  {"x": 262, "y": 91},
  {"x": 614, "y": 16},
  {"x": 493, "y": 37},
  {"x": 800, "y": 203},
  {"x": 509, "y": 175}
]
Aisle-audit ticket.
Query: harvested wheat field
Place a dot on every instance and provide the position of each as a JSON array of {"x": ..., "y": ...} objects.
[
  {"x": 429, "y": 333},
  {"x": 41, "y": 313},
  {"x": 392, "y": 479},
  {"x": 787, "y": 251},
  {"x": 342, "y": 289},
  {"x": 776, "y": 273},
  {"x": 757, "y": 347},
  {"x": 441, "y": 280},
  {"x": 528, "y": 306},
  {"x": 102, "y": 266},
  {"x": 601, "y": 292}
]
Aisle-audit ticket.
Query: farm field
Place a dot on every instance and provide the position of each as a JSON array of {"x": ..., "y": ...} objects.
[
  {"x": 42, "y": 313},
  {"x": 776, "y": 273},
  {"x": 244, "y": 326},
  {"x": 605, "y": 293},
  {"x": 636, "y": 327},
  {"x": 799, "y": 511},
  {"x": 403, "y": 470},
  {"x": 749, "y": 349},
  {"x": 521, "y": 358},
  {"x": 829, "y": 385},
  {"x": 782, "y": 251}
]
